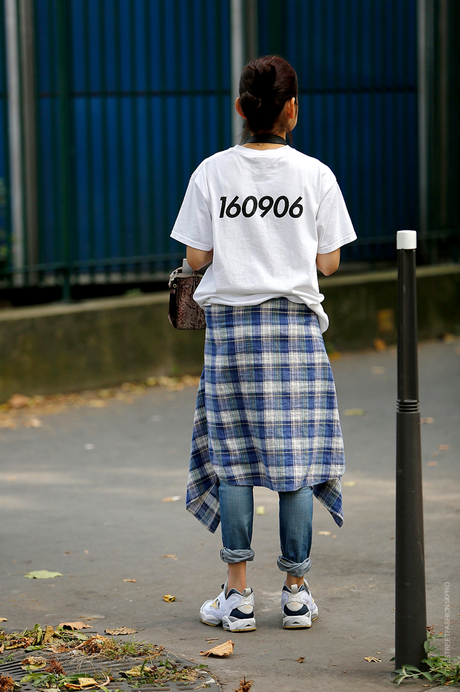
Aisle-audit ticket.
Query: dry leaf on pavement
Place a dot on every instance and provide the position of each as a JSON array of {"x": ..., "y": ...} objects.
[
  {"x": 34, "y": 663},
  {"x": 33, "y": 423},
  {"x": 168, "y": 598},
  {"x": 136, "y": 672},
  {"x": 49, "y": 634},
  {"x": 377, "y": 370},
  {"x": 245, "y": 685},
  {"x": 173, "y": 498},
  {"x": 372, "y": 659},
  {"x": 131, "y": 580},
  {"x": 18, "y": 401},
  {"x": 427, "y": 420},
  {"x": 379, "y": 345},
  {"x": 74, "y": 626},
  {"x": 3, "y": 619},
  {"x": 349, "y": 484},
  {"x": 355, "y": 412},
  {"x": 221, "y": 650},
  {"x": 42, "y": 574},
  {"x": 301, "y": 659},
  {"x": 444, "y": 448},
  {"x": 324, "y": 533},
  {"x": 82, "y": 683},
  {"x": 173, "y": 557},
  {"x": 120, "y": 630}
]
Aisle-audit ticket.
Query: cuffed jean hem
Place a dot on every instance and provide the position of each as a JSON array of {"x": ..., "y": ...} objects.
[
  {"x": 295, "y": 569},
  {"x": 233, "y": 556}
]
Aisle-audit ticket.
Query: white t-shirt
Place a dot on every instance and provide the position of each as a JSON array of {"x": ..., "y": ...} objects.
[{"x": 266, "y": 214}]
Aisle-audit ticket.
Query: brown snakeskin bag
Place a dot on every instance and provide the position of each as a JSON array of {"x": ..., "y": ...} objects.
[{"x": 184, "y": 313}]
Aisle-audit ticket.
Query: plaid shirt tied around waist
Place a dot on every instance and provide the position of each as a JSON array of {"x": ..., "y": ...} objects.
[{"x": 266, "y": 411}]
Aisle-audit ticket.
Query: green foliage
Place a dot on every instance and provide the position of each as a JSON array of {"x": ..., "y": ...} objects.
[{"x": 442, "y": 670}]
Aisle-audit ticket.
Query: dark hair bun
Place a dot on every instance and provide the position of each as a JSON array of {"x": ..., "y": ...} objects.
[{"x": 265, "y": 86}]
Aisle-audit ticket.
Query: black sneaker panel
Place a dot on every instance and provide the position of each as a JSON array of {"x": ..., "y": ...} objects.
[
  {"x": 241, "y": 616},
  {"x": 303, "y": 611}
]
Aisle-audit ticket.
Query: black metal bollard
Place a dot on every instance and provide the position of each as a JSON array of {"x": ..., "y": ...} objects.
[{"x": 410, "y": 629}]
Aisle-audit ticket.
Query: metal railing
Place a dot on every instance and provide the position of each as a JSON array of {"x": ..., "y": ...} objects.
[{"x": 113, "y": 103}]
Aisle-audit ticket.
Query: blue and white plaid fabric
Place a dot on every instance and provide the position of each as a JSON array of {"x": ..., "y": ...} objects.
[{"x": 266, "y": 411}]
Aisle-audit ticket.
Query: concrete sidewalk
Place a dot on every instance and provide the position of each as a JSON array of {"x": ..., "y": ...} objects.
[{"x": 96, "y": 514}]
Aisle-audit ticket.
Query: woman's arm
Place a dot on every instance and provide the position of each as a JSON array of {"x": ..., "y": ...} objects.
[
  {"x": 328, "y": 263},
  {"x": 198, "y": 258}
]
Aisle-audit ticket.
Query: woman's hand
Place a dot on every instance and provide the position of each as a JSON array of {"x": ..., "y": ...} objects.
[
  {"x": 328, "y": 263},
  {"x": 198, "y": 258}
]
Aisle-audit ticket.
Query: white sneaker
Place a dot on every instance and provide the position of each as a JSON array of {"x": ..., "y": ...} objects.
[
  {"x": 298, "y": 606},
  {"x": 234, "y": 611}
]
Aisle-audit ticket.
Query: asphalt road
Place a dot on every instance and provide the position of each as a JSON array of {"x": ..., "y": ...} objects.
[{"x": 83, "y": 495}]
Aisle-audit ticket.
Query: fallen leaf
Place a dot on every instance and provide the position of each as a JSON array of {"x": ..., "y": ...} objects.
[
  {"x": 444, "y": 448},
  {"x": 74, "y": 625},
  {"x": 260, "y": 510},
  {"x": 136, "y": 672},
  {"x": 324, "y": 533},
  {"x": 8, "y": 423},
  {"x": 131, "y": 580},
  {"x": 49, "y": 634},
  {"x": 379, "y": 345},
  {"x": 173, "y": 498},
  {"x": 173, "y": 557},
  {"x": 432, "y": 463},
  {"x": 33, "y": 423},
  {"x": 19, "y": 401},
  {"x": 245, "y": 685},
  {"x": 349, "y": 484},
  {"x": 120, "y": 630},
  {"x": 377, "y": 370},
  {"x": 3, "y": 619},
  {"x": 372, "y": 659},
  {"x": 97, "y": 403},
  {"x": 427, "y": 421},
  {"x": 168, "y": 598},
  {"x": 448, "y": 338},
  {"x": 42, "y": 574},
  {"x": 301, "y": 659},
  {"x": 34, "y": 662},
  {"x": 355, "y": 412},
  {"x": 86, "y": 682},
  {"x": 221, "y": 650}
]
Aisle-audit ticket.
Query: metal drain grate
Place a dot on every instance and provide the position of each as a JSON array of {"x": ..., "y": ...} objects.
[{"x": 75, "y": 663}]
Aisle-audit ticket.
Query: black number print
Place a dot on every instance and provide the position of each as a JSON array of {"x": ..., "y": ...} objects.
[{"x": 281, "y": 206}]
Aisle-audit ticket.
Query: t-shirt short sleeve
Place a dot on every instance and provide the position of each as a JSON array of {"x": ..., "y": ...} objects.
[
  {"x": 333, "y": 222},
  {"x": 193, "y": 225}
]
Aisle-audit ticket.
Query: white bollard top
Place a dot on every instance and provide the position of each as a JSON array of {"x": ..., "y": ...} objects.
[{"x": 406, "y": 240}]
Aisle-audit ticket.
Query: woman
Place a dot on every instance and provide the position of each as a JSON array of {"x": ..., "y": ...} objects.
[{"x": 267, "y": 217}]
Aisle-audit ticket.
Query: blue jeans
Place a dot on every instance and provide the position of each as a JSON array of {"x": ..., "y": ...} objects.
[{"x": 295, "y": 524}]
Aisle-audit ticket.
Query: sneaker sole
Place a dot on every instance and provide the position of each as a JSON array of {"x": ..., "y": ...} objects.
[
  {"x": 296, "y": 623},
  {"x": 211, "y": 624},
  {"x": 248, "y": 625}
]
